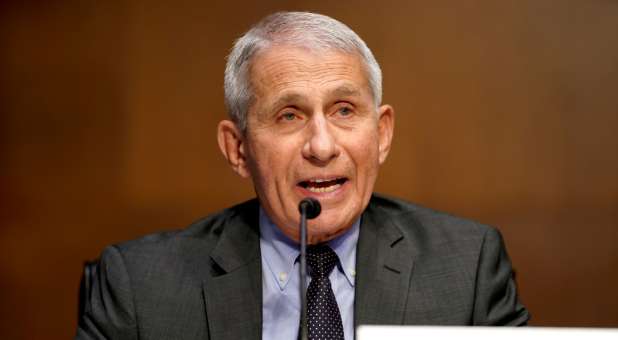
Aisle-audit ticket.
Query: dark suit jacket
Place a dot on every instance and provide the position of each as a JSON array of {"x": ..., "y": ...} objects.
[{"x": 415, "y": 266}]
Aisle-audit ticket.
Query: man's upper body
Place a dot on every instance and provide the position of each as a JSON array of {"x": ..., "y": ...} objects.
[
  {"x": 414, "y": 266},
  {"x": 303, "y": 92}
]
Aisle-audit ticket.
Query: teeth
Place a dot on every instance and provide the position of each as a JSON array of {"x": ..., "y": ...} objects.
[
  {"x": 322, "y": 180},
  {"x": 325, "y": 189}
]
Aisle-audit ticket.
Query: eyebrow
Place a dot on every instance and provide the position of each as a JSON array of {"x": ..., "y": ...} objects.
[
  {"x": 346, "y": 91},
  {"x": 285, "y": 99},
  {"x": 341, "y": 91}
]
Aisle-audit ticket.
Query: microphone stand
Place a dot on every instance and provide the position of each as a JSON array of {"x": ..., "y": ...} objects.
[
  {"x": 303, "y": 271},
  {"x": 309, "y": 208}
]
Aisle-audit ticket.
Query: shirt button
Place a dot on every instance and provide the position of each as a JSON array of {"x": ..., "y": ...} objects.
[
  {"x": 282, "y": 276},
  {"x": 353, "y": 272}
]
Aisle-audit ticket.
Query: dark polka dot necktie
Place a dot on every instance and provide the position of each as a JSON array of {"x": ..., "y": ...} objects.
[{"x": 323, "y": 317}]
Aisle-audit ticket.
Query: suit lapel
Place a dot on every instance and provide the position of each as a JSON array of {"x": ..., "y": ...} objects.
[
  {"x": 233, "y": 292},
  {"x": 384, "y": 267}
]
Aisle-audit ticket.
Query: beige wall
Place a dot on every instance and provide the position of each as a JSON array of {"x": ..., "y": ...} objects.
[{"x": 506, "y": 113}]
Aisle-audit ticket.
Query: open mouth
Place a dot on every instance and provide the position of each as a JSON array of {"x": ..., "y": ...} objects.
[{"x": 323, "y": 185}]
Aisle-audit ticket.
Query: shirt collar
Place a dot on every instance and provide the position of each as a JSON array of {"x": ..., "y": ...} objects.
[
  {"x": 345, "y": 248},
  {"x": 280, "y": 252}
]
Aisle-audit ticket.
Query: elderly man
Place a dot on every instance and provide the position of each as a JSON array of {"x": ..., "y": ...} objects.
[{"x": 304, "y": 96}]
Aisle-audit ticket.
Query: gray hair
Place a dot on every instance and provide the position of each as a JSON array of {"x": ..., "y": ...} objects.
[{"x": 303, "y": 29}]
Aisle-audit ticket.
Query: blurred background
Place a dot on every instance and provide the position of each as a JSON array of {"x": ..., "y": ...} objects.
[{"x": 507, "y": 113}]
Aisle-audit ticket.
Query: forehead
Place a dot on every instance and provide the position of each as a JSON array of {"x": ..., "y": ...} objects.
[{"x": 288, "y": 69}]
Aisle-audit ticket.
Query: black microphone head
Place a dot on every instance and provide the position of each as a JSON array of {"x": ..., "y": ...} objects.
[{"x": 311, "y": 206}]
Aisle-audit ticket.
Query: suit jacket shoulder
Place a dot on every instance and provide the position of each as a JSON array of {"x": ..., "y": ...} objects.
[
  {"x": 162, "y": 286},
  {"x": 425, "y": 223},
  {"x": 416, "y": 265}
]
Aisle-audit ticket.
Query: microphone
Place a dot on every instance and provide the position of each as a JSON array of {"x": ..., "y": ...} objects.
[{"x": 309, "y": 208}]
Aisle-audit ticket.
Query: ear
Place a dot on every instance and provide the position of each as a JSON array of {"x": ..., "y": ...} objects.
[
  {"x": 232, "y": 144},
  {"x": 386, "y": 126}
]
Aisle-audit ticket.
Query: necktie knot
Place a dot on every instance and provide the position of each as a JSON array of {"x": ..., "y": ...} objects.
[{"x": 321, "y": 259}]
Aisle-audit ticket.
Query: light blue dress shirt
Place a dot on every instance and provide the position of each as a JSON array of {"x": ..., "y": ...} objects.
[{"x": 280, "y": 280}]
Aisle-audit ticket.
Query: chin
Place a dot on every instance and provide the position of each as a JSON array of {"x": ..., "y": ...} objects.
[{"x": 326, "y": 229}]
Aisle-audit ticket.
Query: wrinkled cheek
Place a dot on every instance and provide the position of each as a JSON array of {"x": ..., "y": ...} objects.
[
  {"x": 368, "y": 184},
  {"x": 259, "y": 177}
]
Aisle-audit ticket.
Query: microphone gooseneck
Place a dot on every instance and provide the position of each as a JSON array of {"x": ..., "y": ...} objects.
[{"x": 309, "y": 208}]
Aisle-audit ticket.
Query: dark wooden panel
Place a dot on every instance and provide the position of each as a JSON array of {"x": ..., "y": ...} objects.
[{"x": 506, "y": 113}]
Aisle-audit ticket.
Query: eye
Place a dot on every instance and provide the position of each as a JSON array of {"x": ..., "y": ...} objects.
[
  {"x": 344, "y": 111},
  {"x": 289, "y": 116}
]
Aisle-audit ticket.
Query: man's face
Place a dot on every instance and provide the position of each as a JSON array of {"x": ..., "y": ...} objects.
[{"x": 313, "y": 131}]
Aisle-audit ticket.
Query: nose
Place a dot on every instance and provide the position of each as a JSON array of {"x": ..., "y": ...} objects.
[{"x": 321, "y": 145}]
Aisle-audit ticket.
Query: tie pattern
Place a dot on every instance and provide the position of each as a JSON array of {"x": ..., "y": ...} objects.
[{"x": 323, "y": 317}]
